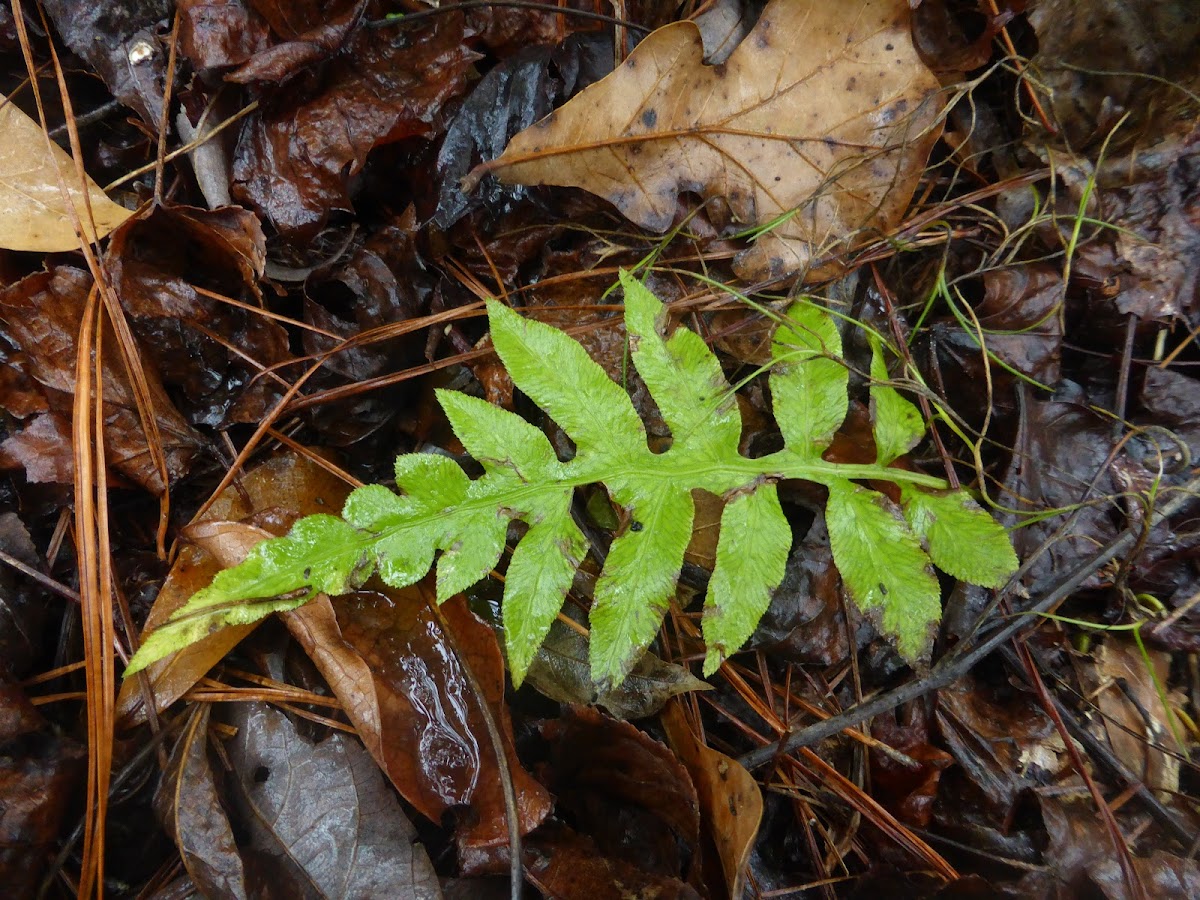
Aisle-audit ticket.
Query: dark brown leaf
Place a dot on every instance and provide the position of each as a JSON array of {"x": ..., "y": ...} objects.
[
  {"x": 1000, "y": 747},
  {"x": 569, "y": 866},
  {"x": 626, "y": 790},
  {"x": 23, "y": 606},
  {"x": 217, "y": 34},
  {"x": 293, "y": 162},
  {"x": 188, "y": 804},
  {"x": 300, "y": 49},
  {"x": 39, "y": 774},
  {"x": 211, "y": 351},
  {"x": 122, "y": 41},
  {"x": 908, "y": 793},
  {"x": 41, "y": 315}
]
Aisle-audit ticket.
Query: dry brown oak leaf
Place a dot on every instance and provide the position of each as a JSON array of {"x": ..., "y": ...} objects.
[{"x": 824, "y": 111}]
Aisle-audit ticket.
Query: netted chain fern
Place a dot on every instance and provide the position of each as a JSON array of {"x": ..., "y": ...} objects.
[{"x": 882, "y": 549}]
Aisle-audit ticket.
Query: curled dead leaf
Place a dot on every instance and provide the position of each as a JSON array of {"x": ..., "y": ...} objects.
[
  {"x": 731, "y": 804},
  {"x": 288, "y": 483}
]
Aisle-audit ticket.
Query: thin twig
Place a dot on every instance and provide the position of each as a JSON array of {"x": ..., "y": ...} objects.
[{"x": 405, "y": 18}]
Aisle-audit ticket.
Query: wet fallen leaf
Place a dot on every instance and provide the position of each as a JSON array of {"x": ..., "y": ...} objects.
[
  {"x": 123, "y": 40},
  {"x": 219, "y": 33},
  {"x": 1090, "y": 54},
  {"x": 560, "y": 670},
  {"x": 39, "y": 776},
  {"x": 188, "y": 804},
  {"x": 294, "y": 160},
  {"x": 510, "y": 98},
  {"x": 569, "y": 866},
  {"x": 824, "y": 108},
  {"x": 310, "y": 35},
  {"x": 1062, "y": 448},
  {"x": 1145, "y": 262},
  {"x": 625, "y": 790},
  {"x": 321, "y": 820},
  {"x": 906, "y": 791},
  {"x": 731, "y": 804},
  {"x": 41, "y": 315},
  {"x": 36, "y": 215},
  {"x": 23, "y": 608},
  {"x": 806, "y": 621},
  {"x": 1080, "y": 859},
  {"x": 400, "y": 677},
  {"x": 211, "y": 352},
  {"x": 1001, "y": 749}
]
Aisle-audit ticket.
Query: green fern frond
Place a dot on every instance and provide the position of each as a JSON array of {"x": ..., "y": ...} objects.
[{"x": 884, "y": 551}]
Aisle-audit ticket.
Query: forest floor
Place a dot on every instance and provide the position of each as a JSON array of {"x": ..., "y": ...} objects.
[{"x": 301, "y": 209}]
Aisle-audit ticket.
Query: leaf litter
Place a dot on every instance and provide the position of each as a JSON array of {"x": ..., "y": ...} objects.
[{"x": 1033, "y": 343}]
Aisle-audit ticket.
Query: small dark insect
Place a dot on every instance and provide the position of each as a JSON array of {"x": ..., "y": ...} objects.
[{"x": 636, "y": 526}]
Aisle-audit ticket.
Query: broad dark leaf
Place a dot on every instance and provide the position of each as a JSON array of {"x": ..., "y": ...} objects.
[
  {"x": 121, "y": 40},
  {"x": 322, "y": 821}
]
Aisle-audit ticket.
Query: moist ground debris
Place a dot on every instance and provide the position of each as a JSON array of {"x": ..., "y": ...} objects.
[{"x": 1002, "y": 196}]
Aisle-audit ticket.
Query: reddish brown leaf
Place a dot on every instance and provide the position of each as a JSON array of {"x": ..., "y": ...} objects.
[
  {"x": 41, "y": 315},
  {"x": 211, "y": 351},
  {"x": 293, "y": 162},
  {"x": 219, "y": 33},
  {"x": 569, "y": 866},
  {"x": 39, "y": 772},
  {"x": 319, "y": 41},
  {"x": 400, "y": 678},
  {"x": 908, "y": 793},
  {"x": 626, "y": 790}
]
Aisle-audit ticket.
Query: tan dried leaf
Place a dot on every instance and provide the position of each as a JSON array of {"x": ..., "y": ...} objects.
[
  {"x": 825, "y": 109},
  {"x": 271, "y": 495},
  {"x": 35, "y": 215},
  {"x": 731, "y": 804}
]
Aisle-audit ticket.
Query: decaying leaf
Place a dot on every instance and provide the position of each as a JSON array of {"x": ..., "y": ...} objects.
[
  {"x": 824, "y": 108},
  {"x": 1124, "y": 686},
  {"x": 560, "y": 671},
  {"x": 626, "y": 791},
  {"x": 286, "y": 484},
  {"x": 321, "y": 820},
  {"x": 731, "y": 804},
  {"x": 187, "y": 803},
  {"x": 40, "y": 316},
  {"x": 399, "y": 674},
  {"x": 36, "y": 217}
]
